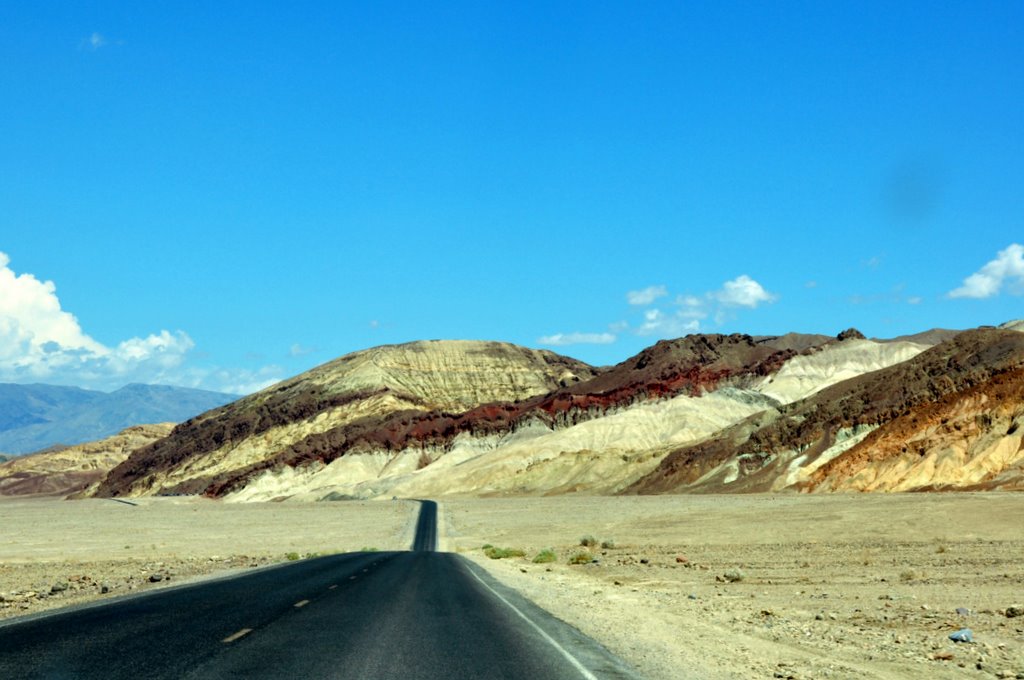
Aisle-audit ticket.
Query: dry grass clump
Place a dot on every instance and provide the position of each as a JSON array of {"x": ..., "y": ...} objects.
[
  {"x": 581, "y": 557},
  {"x": 496, "y": 553}
]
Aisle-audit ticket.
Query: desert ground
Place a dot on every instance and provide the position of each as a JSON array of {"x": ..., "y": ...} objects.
[{"x": 739, "y": 586}]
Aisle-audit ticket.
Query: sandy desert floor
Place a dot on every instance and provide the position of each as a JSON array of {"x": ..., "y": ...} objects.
[
  {"x": 54, "y": 553},
  {"x": 842, "y": 586}
]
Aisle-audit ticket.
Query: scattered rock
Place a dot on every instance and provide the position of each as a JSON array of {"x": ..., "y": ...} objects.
[
  {"x": 850, "y": 334},
  {"x": 963, "y": 611},
  {"x": 962, "y": 635},
  {"x": 156, "y": 578},
  {"x": 680, "y": 559},
  {"x": 104, "y": 588},
  {"x": 59, "y": 587},
  {"x": 943, "y": 656},
  {"x": 1014, "y": 610}
]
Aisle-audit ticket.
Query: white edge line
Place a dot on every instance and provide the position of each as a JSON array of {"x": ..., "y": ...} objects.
[{"x": 562, "y": 650}]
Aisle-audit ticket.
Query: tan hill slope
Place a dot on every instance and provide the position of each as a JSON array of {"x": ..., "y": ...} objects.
[
  {"x": 947, "y": 418},
  {"x": 595, "y": 437},
  {"x": 70, "y": 470}
]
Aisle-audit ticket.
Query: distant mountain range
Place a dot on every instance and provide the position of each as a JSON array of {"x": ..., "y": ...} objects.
[
  {"x": 706, "y": 413},
  {"x": 34, "y": 417}
]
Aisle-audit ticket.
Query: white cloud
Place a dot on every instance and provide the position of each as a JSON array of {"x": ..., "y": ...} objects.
[
  {"x": 743, "y": 291},
  {"x": 297, "y": 350},
  {"x": 645, "y": 296},
  {"x": 562, "y": 339},
  {"x": 680, "y": 322},
  {"x": 97, "y": 41},
  {"x": 988, "y": 281},
  {"x": 240, "y": 381},
  {"x": 39, "y": 341},
  {"x": 688, "y": 312}
]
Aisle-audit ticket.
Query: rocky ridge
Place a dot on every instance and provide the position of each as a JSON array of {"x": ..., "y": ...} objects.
[
  {"x": 74, "y": 469},
  {"x": 700, "y": 413},
  {"x": 904, "y": 427}
]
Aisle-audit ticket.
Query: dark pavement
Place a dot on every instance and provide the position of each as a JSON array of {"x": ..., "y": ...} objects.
[{"x": 419, "y": 614}]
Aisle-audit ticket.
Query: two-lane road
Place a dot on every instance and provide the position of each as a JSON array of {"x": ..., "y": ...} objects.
[{"x": 418, "y": 614}]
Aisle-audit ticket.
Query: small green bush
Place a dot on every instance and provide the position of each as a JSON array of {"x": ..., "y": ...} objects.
[
  {"x": 502, "y": 553},
  {"x": 545, "y": 556},
  {"x": 734, "y": 575},
  {"x": 368, "y": 549},
  {"x": 608, "y": 545},
  {"x": 292, "y": 556},
  {"x": 582, "y": 557},
  {"x": 588, "y": 541}
]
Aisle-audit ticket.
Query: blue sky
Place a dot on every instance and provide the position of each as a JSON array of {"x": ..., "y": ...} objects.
[{"x": 225, "y": 194}]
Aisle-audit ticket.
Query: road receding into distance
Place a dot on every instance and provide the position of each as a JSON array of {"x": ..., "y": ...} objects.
[{"x": 417, "y": 614}]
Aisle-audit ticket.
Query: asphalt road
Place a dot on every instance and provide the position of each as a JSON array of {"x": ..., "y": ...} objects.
[{"x": 418, "y": 614}]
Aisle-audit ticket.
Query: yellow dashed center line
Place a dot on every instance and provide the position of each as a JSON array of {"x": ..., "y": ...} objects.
[
  {"x": 239, "y": 634},
  {"x": 301, "y": 603}
]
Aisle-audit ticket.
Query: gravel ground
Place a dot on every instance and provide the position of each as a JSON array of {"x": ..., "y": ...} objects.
[
  {"x": 756, "y": 586},
  {"x": 772, "y": 587},
  {"x": 56, "y": 553}
]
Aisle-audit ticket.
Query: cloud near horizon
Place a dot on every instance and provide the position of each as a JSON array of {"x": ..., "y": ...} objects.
[
  {"x": 1007, "y": 267},
  {"x": 40, "y": 342},
  {"x": 689, "y": 312},
  {"x": 563, "y": 339},
  {"x": 646, "y": 296}
]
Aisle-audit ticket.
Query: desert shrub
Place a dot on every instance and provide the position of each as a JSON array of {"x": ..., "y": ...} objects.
[
  {"x": 485, "y": 546},
  {"x": 908, "y": 575},
  {"x": 501, "y": 553},
  {"x": 367, "y": 548},
  {"x": 545, "y": 556},
  {"x": 292, "y": 556},
  {"x": 608, "y": 545},
  {"x": 733, "y": 575},
  {"x": 424, "y": 460},
  {"x": 588, "y": 541},
  {"x": 582, "y": 557}
]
